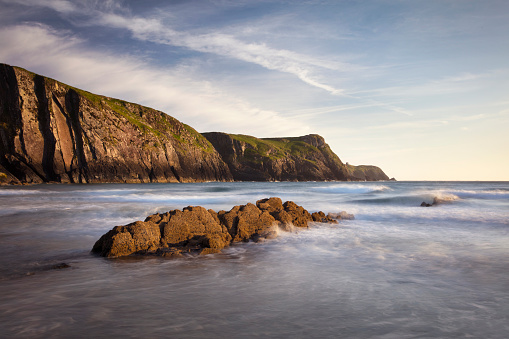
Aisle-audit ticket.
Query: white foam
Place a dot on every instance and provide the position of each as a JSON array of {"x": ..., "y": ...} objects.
[
  {"x": 22, "y": 192},
  {"x": 481, "y": 194},
  {"x": 354, "y": 188},
  {"x": 444, "y": 197}
]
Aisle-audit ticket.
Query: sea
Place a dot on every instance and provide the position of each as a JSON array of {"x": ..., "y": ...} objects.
[{"x": 398, "y": 270}]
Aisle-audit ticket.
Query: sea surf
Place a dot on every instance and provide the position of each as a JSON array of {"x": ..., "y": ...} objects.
[{"x": 398, "y": 270}]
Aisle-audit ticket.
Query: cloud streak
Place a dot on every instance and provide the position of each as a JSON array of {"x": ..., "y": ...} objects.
[
  {"x": 304, "y": 67},
  {"x": 460, "y": 83},
  {"x": 226, "y": 45},
  {"x": 196, "y": 102}
]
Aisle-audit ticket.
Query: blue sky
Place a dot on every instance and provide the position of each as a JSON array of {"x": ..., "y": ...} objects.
[{"x": 417, "y": 87}]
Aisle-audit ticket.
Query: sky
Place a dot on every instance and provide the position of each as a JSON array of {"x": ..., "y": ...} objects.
[{"x": 419, "y": 88}]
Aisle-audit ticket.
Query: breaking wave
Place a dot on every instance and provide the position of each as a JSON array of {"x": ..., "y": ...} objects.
[
  {"x": 483, "y": 194},
  {"x": 353, "y": 188}
]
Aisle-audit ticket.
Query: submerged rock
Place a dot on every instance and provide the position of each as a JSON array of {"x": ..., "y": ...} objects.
[
  {"x": 341, "y": 216},
  {"x": 60, "y": 266},
  {"x": 197, "y": 230},
  {"x": 440, "y": 200}
]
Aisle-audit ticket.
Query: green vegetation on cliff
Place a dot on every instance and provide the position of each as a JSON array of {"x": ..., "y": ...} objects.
[{"x": 275, "y": 148}]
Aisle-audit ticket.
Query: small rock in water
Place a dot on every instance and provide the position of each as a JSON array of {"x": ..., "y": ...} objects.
[
  {"x": 60, "y": 266},
  {"x": 321, "y": 217},
  {"x": 341, "y": 216},
  {"x": 168, "y": 252}
]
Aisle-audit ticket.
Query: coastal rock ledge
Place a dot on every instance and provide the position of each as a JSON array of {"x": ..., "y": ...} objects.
[{"x": 196, "y": 230}]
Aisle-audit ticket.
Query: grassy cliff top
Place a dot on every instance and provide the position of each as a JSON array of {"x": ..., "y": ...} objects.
[{"x": 277, "y": 147}]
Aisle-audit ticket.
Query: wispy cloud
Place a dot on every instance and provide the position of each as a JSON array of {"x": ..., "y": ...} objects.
[
  {"x": 197, "y": 102},
  {"x": 410, "y": 126},
  {"x": 310, "y": 69},
  {"x": 62, "y": 6},
  {"x": 304, "y": 67},
  {"x": 227, "y": 45},
  {"x": 312, "y": 112},
  {"x": 459, "y": 83}
]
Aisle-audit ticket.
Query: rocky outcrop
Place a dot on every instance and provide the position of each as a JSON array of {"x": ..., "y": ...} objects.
[
  {"x": 201, "y": 231},
  {"x": 51, "y": 132}
]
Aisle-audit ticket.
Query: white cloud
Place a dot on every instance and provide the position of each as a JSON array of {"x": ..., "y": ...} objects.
[
  {"x": 193, "y": 101},
  {"x": 304, "y": 67},
  {"x": 224, "y": 43},
  {"x": 311, "y": 112},
  {"x": 410, "y": 126},
  {"x": 61, "y": 6},
  {"x": 459, "y": 83},
  {"x": 227, "y": 45}
]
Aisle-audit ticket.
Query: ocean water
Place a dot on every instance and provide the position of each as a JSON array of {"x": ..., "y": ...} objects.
[{"x": 397, "y": 271}]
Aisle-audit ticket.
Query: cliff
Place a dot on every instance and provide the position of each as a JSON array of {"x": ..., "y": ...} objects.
[
  {"x": 306, "y": 158},
  {"x": 51, "y": 132}
]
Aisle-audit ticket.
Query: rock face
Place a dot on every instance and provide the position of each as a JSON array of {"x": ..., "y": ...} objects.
[
  {"x": 51, "y": 132},
  {"x": 306, "y": 158},
  {"x": 197, "y": 230}
]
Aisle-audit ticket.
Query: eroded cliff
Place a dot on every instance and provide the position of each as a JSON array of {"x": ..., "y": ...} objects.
[
  {"x": 51, "y": 132},
  {"x": 305, "y": 158}
]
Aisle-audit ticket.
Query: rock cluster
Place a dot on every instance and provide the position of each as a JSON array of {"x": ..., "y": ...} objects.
[{"x": 198, "y": 230}]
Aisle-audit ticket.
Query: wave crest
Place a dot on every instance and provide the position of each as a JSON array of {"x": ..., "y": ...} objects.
[
  {"x": 355, "y": 188},
  {"x": 445, "y": 198}
]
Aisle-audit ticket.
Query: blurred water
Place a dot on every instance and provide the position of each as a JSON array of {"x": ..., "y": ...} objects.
[{"x": 397, "y": 271}]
